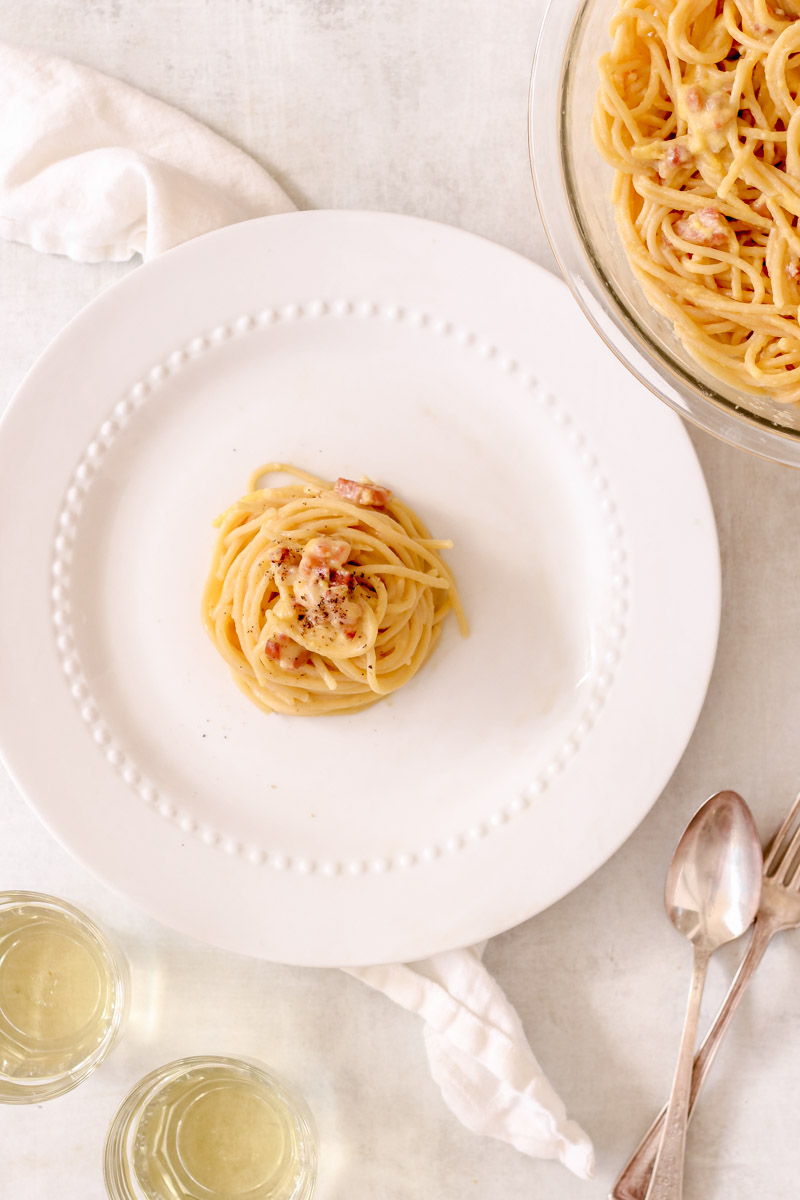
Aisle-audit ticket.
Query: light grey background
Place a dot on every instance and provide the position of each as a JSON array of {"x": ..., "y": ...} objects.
[{"x": 419, "y": 106}]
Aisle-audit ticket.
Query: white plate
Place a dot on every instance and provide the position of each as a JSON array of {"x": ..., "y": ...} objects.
[{"x": 465, "y": 378}]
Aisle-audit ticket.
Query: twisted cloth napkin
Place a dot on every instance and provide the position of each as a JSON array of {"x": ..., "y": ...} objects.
[{"x": 96, "y": 170}]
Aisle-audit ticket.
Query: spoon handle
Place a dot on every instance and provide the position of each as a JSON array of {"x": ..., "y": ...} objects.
[
  {"x": 632, "y": 1181},
  {"x": 666, "y": 1182}
]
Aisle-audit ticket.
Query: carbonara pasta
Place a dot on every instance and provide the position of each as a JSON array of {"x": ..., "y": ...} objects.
[
  {"x": 698, "y": 112},
  {"x": 324, "y": 597}
]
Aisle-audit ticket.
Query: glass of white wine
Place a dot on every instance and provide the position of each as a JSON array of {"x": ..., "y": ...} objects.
[
  {"x": 64, "y": 994},
  {"x": 211, "y": 1129}
]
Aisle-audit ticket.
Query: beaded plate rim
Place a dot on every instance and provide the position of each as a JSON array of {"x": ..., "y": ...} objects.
[{"x": 598, "y": 685}]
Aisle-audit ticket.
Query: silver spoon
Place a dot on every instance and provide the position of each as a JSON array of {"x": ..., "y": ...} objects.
[{"x": 711, "y": 896}]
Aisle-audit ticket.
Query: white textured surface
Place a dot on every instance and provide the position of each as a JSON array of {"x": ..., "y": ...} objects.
[{"x": 420, "y": 108}]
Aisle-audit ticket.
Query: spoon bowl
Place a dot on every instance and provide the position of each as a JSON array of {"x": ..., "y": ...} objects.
[{"x": 714, "y": 880}]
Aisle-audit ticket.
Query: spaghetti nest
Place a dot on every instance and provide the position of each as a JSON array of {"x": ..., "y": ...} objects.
[
  {"x": 324, "y": 597},
  {"x": 698, "y": 113}
]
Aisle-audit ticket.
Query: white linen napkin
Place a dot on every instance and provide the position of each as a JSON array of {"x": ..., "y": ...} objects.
[
  {"x": 94, "y": 169},
  {"x": 480, "y": 1057}
]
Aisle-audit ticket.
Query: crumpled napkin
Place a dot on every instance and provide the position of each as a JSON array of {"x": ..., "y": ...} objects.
[
  {"x": 480, "y": 1057},
  {"x": 96, "y": 170}
]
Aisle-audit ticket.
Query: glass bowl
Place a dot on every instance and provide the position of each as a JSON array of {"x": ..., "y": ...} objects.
[{"x": 573, "y": 189}]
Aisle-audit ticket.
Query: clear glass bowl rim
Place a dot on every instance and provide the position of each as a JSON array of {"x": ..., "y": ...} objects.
[{"x": 630, "y": 343}]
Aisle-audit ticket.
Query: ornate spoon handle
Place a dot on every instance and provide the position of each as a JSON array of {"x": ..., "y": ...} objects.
[
  {"x": 634, "y": 1179},
  {"x": 666, "y": 1182}
]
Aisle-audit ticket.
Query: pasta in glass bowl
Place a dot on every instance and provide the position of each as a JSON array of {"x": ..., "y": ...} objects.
[{"x": 694, "y": 221}]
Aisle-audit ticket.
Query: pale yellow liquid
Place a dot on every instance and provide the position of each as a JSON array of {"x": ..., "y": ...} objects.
[
  {"x": 56, "y": 994},
  {"x": 214, "y": 1135}
]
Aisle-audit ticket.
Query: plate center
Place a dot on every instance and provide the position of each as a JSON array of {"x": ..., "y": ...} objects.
[{"x": 412, "y": 409}]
